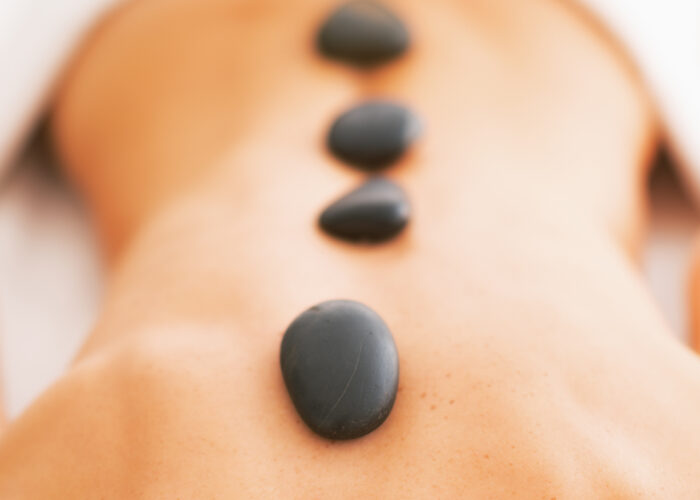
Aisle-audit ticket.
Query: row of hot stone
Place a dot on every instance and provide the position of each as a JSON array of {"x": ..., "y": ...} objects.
[
  {"x": 339, "y": 360},
  {"x": 373, "y": 135}
]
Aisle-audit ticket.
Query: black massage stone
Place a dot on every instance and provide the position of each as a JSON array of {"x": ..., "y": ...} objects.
[
  {"x": 341, "y": 368},
  {"x": 376, "y": 211},
  {"x": 363, "y": 33},
  {"x": 373, "y": 135}
]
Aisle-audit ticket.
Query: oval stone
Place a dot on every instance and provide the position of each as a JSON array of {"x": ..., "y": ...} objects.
[
  {"x": 373, "y": 135},
  {"x": 376, "y": 211},
  {"x": 363, "y": 33},
  {"x": 341, "y": 368}
]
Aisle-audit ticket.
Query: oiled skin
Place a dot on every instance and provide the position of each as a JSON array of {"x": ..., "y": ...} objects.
[{"x": 533, "y": 362}]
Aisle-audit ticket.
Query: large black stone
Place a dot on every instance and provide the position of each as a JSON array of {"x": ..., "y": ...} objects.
[
  {"x": 373, "y": 135},
  {"x": 376, "y": 211},
  {"x": 341, "y": 368},
  {"x": 363, "y": 33}
]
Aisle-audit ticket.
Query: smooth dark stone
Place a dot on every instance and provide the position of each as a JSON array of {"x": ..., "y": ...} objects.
[
  {"x": 341, "y": 368},
  {"x": 376, "y": 211},
  {"x": 363, "y": 33},
  {"x": 373, "y": 135}
]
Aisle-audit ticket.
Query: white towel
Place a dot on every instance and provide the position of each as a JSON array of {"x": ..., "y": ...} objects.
[
  {"x": 663, "y": 39},
  {"x": 37, "y": 37}
]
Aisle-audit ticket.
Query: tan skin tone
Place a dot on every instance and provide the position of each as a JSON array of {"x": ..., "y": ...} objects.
[{"x": 533, "y": 362}]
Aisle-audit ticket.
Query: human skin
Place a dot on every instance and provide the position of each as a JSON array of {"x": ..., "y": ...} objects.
[{"x": 534, "y": 363}]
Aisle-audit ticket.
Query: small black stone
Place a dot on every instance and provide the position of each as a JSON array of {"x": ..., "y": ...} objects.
[
  {"x": 376, "y": 211},
  {"x": 363, "y": 33},
  {"x": 373, "y": 135},
  {"x": 341, "y": 368}
]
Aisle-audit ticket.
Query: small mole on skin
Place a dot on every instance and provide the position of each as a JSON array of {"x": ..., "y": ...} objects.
[
  {"x": 452, "y": 401},
  {"x": 448, "y": 375},
  {"x": 486, "y": 456},
  {"x": 432, "y": 407},
  {"x": 422, "y": 396}
]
